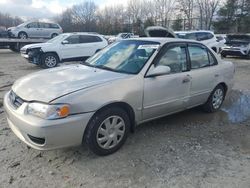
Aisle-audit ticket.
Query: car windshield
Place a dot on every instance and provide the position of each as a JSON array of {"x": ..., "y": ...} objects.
[
  {"x": 128, "y": 56},
  {"x": 191, "y": 36},
  {"x": 57, "y": 38},
  {"x": 23, "y": 24}
]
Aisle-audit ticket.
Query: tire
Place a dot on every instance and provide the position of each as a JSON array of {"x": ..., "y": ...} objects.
[
  {"x": 100, "y": 138},
  {"x": 49, "y": 60},
  {"x": 223, "y": 55},
  {"x": 22, "y": 35},
  {"x": 215, "y": 99},
  {"x": 248, "y": 55},
  {"x": 54, "y": 35}
]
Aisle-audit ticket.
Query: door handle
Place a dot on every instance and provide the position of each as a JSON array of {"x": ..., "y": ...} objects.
[
  {"x": 216, "y": 75},
  {"x": 187, "y": 79}
]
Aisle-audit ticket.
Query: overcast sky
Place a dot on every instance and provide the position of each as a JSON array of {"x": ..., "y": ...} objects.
[{"x": 43, "y": 8}]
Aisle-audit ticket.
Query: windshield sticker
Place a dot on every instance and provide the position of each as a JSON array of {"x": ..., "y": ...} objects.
[{"x": 149, "y": 46}]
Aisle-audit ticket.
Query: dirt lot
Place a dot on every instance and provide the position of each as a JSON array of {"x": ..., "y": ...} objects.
[{"x": 189, "y": 149}]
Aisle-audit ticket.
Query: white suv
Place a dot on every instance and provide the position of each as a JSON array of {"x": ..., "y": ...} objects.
[
  {"x": 35, "y": 30},
  {"x": 206, "y": 37},
  {"x": 65, "y": 47}
]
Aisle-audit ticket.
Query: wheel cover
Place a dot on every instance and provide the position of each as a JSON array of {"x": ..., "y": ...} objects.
[
  {"x": 50, "y": 61},
  {"x": 110, "y": 132},
  {"x": 23, "y": 36},
  {"x": 217, "y": 98}
]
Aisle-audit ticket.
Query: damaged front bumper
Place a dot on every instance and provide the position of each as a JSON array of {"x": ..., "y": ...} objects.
[{"x": 32, "y": 55}]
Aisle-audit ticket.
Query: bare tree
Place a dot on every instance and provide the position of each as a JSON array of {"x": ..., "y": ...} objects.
[
  {"x": 7, "y": 21},
  {"x": 187, "y": 7},
  {"x": 164, "y": 8},
  {"x": 85, "y": 15},
  {"x": 207, "y": 9}
]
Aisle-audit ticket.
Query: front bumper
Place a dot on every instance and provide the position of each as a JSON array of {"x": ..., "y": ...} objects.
[
  {"x": 32, "y": 56},
  {"x": 234, "y": 52},
  {"x": 59, "y": 133},
  {"x": 12, "y": 34}
]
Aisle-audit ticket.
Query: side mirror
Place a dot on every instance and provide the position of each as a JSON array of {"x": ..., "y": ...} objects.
[
  {"x": 65, "y": 42},
  {"x": 159, "y": 70}
]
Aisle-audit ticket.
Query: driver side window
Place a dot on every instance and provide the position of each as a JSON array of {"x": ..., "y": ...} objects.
[
  {"x": 73, "y": 39},
  {"x": 175, "y": 58}
]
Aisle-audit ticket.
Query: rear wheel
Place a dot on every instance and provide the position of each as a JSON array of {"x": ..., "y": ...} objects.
[
  {"x": 54, "y": 35},
  {"x": 22, "y": 35},
  {"x": 223, "y": 55},
  {"x": 215, "y": 100},
  {"x": 107, "y": 131},
  {"x": 49, "y": 60}
]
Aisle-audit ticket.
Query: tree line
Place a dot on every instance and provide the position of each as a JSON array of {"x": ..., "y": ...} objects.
[
  {"x": 222, "y": 17},
  {"x": 138, "y": 14},
  {"x": 6, "y": 20}
]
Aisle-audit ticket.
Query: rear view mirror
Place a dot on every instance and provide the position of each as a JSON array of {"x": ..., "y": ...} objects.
[
  {"x": 159, "y": 70},
  {"x": 65, "y": 42}
]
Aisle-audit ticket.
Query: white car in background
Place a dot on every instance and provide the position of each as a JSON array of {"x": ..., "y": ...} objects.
[
  {"x": 206, "y": 37},
  {"x": 120, "y": 36},
  {"x": 65, "y": 47}
]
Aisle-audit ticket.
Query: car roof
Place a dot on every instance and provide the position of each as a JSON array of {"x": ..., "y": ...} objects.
[
  {"x": 84, "y": 33},
  {"x": 199, "y": 31},
  {"x": 163, "y": 40}
]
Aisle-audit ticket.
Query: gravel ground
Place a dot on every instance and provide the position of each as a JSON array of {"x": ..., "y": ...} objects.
[{"x": 188, "y": 149}]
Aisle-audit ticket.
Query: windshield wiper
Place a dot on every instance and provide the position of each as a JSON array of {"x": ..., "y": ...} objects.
[
  {"x": 87, "y": 64},
  {"x": 105, "y": 68}
]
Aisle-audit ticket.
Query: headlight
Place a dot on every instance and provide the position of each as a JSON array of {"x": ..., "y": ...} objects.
[{"x": 47, "y": 111}]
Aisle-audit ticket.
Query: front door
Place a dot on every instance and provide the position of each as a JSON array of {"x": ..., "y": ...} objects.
[
  {"x": 169, "y": 93},
  {"x": 72, "y": 48}
]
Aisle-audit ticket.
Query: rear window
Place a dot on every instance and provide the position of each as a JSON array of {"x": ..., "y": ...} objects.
[
  {"x": 203, "y": 36},
  {"x": 89, "y": 39},
  {"x": 55, "y": 26},
  {"x": 44, "y": 25}
]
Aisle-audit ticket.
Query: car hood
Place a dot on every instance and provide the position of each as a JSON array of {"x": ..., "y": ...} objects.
[
  {"x": 47, "y": 85},
  {"x": 38, "y": 45}
]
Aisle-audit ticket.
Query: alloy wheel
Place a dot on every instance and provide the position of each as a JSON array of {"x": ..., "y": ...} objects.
[{"x": 50, "y": 61}]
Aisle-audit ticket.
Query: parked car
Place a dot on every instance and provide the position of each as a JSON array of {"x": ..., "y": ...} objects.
[
  {"x": 206, "y": 37},
  {"x": 120, "y": 36},
  {"x": 35, "y": 29},
  {"x": 237, "y": 45},
  {"x": 65, "y": 47},
  {"x": 127, "y": 83}
]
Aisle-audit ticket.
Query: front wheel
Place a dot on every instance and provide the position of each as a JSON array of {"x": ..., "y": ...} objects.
[
  {"x": 107, "y": 131},
  {"x": 215, "y": 100},
  {"x": 22, "y": 35},
  {"x": 49, "y": 60}
]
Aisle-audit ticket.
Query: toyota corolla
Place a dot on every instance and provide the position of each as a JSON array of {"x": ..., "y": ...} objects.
[{"x": 102, "y": 99}]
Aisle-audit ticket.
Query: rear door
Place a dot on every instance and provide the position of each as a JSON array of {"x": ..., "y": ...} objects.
[
  {"x": 44, "y": 31},
  {"x": 89, "y": 44},
  {"x": 167, "y": 93},
  {"x": 204, "y": 73}
]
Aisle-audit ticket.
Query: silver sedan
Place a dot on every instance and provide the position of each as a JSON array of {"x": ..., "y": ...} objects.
[{"x": 102, "y": 99}]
